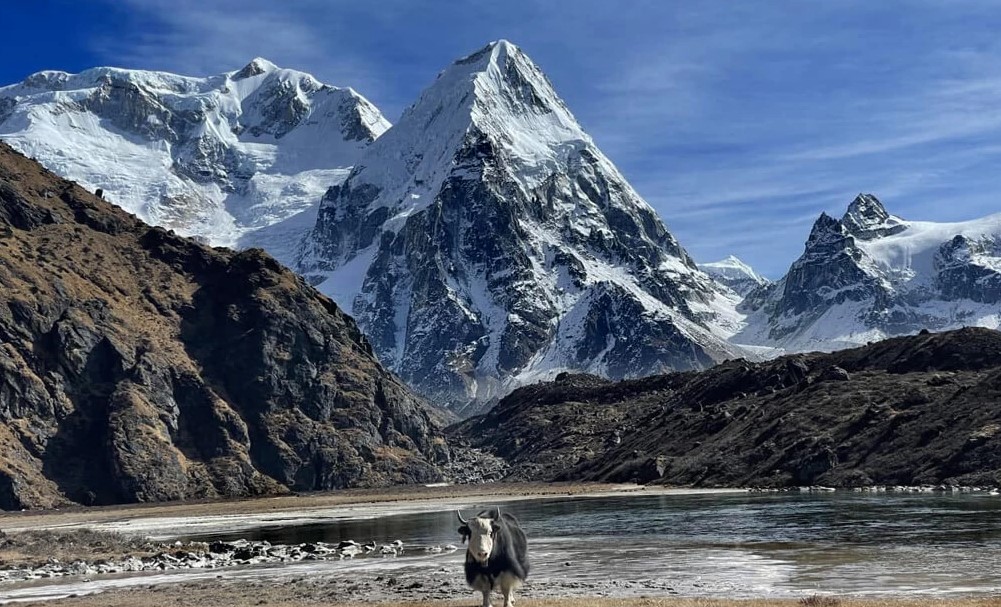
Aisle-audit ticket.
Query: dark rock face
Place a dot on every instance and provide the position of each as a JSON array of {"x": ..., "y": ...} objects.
[
  {"x": 133, "y": 108},
  {"x": 866, "y": 218},
  {"x": 906, "y": 411},
  {"x": 827, "y": 272},
  {"x": 136, "y": 365},
  {"x": 279, "y": 109}
]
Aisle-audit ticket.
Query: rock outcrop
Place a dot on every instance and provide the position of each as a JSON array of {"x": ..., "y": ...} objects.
[
  {"x": 137, "y": 365},
  {"x": 919, "y": 410}
]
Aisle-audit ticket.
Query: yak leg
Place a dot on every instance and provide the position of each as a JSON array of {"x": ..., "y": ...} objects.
[
  {"x": 508, "y": 583},
  {"x": 483, "y": 584}
]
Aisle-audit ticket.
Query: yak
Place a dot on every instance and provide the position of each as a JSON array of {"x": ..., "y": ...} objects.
[{"x": 497, "y": 556}]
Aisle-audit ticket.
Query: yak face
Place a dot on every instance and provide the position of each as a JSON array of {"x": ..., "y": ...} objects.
[{"x": 480, "y": 531}]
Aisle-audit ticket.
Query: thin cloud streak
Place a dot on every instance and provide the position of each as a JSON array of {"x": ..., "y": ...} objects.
[
  {"x": 201, "y": 38},
  {"x": 739, "y": 123}
]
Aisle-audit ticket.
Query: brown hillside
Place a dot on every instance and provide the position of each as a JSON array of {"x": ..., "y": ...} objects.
[{"x": 136, "y": 365}]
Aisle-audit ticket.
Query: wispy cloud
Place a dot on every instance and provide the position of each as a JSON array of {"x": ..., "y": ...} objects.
[
  {"x": 204, "y": 37},
  {"x": 739, "y": 122}
]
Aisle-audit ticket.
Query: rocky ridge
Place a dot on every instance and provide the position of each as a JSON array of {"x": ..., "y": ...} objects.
[
  {"x": 137, "y": 365},
  {"x": 909, "y": 411},
  {"x": 871, "y": 275}
]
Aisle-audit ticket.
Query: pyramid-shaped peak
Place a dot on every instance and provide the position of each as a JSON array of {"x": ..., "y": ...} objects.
[
  {"x": 257, "y": 66},
  {"x": 500, "y": 65},
  {"x": 487, "y": 213},
  {"x": 503, "y": 44},
  {"x": 866, "y": 209},
  {"x": 495, "y": 51},
  {"x": 495, "y": 99},
  {"x": 867, "y": 218}
]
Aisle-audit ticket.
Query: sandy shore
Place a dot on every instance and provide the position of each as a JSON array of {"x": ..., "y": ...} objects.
[{"x": 165, "y": 521}]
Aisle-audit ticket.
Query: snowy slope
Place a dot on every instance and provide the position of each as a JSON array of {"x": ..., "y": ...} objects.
[
  {"x": 218, "y": 157},
  {"x": 735, "y": 274},
  {"x": 485, "y": 241},
  {"x": 872, "y": 275}
]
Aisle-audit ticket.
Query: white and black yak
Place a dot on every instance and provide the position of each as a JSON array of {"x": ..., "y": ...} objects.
[{"x": 497, "y": 556}]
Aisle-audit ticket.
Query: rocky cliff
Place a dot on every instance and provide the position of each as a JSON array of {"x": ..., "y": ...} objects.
[
  {"x": 924, "y": 409},
  {"x": 137, "y": 365}
]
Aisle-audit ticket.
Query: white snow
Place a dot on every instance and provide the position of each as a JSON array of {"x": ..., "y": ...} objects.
[
  {"x": 908, "y": 257},
  {"x": 287, "y": 175},
  {"x": 732, "y": 268}
]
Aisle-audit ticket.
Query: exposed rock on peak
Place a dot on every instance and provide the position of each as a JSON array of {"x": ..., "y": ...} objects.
[
  {"x": 826, "y": 230},
  {"x": 866, "y": 218},
  {"x": 866, "y": 208},
  {"x": 485, "y": 241},
  {"x": 137, "y": 365},
  {"x": 256, "y": 67}
]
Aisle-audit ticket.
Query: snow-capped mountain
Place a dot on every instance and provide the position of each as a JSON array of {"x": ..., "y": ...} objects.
[
  {"x": 218, "y": 157},
  {"x": 872, "y": 275},
  {"x": 485, "y": 241},
  {"x": 735, "y": 274}
]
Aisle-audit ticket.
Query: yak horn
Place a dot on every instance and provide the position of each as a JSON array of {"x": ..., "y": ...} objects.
[{"x": 461, "y": 520}]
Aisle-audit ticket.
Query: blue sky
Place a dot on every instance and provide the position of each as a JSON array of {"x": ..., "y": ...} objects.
[{"x": 739, "y": 122}]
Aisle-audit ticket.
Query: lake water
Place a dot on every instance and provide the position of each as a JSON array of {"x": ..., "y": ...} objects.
[{"x": 783, "y": 544}]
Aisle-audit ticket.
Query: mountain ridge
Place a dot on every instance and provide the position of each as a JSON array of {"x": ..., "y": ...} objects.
[
  {"x": 913, "y": 410},
  {"x": 872, "y": 275},
  {"x": 217, "y": 157},
  {"x": 484, "y": 241}
]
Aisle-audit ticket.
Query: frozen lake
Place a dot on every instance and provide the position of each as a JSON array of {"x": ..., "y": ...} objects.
[
  {"x": 745, "y": 544},
  {"x": 728, "y": 545}
]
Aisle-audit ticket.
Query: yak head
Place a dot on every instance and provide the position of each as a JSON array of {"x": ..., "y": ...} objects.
[{"x": 480, "y": 531}]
